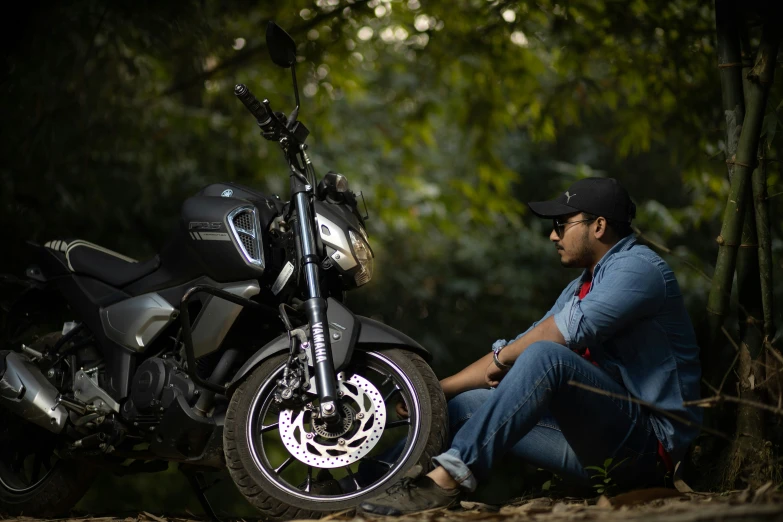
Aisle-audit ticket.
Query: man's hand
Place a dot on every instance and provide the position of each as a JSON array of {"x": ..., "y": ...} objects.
[
  {"x": 494, "y": 375},
  {"x": 546, "y": 330},
  {"x": 484, "y": 372},
  {"x": 402, "y": 409}
]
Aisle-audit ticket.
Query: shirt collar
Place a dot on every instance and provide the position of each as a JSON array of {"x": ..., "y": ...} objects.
[{"x": 624, "y": 244}]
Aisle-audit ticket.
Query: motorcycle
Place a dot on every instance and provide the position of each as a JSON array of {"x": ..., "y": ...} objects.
[{"x": 231, "y": 348}]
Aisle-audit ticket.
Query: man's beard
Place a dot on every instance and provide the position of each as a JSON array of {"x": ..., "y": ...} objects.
[{"x": 581, "y": 255}]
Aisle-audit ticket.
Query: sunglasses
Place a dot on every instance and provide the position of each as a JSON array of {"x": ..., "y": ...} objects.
[{"x": 560, "y": 228}]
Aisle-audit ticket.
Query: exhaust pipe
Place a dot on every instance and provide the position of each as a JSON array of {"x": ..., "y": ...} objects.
[{"x": 26, "y": 392}]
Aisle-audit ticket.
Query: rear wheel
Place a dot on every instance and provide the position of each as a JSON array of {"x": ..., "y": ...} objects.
[
  {"x": 289, "y": 466},
  {"x": 33, "y": 480}
]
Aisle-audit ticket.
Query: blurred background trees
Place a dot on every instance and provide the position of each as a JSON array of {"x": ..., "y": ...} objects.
[{"x": 446, "y": 115}]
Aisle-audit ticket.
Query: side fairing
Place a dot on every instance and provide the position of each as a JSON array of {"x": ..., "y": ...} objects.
[{"x": 134, "y": 323}]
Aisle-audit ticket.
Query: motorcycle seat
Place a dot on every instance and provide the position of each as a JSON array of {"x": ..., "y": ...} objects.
[{"x": 83, "y": 257}]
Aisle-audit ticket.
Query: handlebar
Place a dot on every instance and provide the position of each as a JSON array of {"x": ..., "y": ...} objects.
[
  {"x": 253, "y": 105},
  {"x": 273, "y": 125}
]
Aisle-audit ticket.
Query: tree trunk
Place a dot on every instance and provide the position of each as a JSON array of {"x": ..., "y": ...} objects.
[
  {"x": 730, "y": 67},
  {"x": 760, "y": 78},
  {"x": 747, "y": 59},
  {"x": 748, "y": 458},
  {"x": 763, "y": 232},
  {"x": 765, "y": 245}
]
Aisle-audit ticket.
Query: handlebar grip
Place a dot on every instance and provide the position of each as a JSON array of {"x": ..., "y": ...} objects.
[{"x": 253, "y": 105}]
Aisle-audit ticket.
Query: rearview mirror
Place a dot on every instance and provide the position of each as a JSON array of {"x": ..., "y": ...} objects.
[{"x": 282, "y": 48}]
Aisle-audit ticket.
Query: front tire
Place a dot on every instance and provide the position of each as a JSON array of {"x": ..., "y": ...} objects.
[{"x": 276, "y": 493}]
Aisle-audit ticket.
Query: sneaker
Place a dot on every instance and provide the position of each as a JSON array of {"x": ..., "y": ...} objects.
[{"x": 415, "y": 492}]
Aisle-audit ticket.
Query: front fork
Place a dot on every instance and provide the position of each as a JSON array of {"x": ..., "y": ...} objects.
[{"x": 315, "y": 307}]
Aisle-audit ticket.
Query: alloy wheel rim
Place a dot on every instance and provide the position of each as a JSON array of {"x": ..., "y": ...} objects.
[{"x": 393, "y": 384}]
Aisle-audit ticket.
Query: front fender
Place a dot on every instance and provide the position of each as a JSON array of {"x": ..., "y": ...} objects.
[
  {"x": 347, "y": 331},
  {"x": 375, "y": 335}
]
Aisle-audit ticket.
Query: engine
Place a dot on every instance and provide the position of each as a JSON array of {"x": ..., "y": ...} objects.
[{"x": 156, "y": 385}]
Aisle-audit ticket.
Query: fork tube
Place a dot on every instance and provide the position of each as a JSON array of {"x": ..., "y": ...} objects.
[
  {"x": 307, "y": 237},
  {"x": 315, "y": 307}
]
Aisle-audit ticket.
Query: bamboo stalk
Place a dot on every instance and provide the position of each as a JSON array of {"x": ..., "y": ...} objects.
[
  {"x": 746, "y": 462},
  {"x": 747, "y": 58},
  {"x": 760, "y": 202},
  {"x": 749, "y": 284},
  {"x": 733, "y": 98},
  {"x": 760, "y": 79},
  {"x": 731, "y": 79},
  {"x": 750, "y": 421}
]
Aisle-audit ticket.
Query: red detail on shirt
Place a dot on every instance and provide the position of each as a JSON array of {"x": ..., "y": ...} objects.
[
  {"x": 583, "y": 290},
  {"x": 666, "y": 458},
  {"x": 662, "y": 453}
]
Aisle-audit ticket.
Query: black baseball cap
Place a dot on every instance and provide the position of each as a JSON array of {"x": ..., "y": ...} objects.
[{"x": 598, "y": 196}]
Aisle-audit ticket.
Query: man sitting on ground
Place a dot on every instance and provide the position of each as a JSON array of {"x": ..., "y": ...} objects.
[{"x": 621, "y": 328}]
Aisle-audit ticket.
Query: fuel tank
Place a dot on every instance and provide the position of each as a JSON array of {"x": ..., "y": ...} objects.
[
  {"x": 219, "y": 236},
  {"x": 268, "y": 206},
  {"x": 225, "y": 232}
]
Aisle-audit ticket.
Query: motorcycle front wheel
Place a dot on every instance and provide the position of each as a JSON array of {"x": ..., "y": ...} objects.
[{"x": 289, "y": 466}]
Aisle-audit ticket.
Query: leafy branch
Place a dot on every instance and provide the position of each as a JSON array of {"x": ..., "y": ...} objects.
[
  {"x": 246, "y": 54},
  {"x": 603, "y": 473}
]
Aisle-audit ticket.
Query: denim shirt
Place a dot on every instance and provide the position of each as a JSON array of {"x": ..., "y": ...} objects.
[{"x": 637, "y": 328}]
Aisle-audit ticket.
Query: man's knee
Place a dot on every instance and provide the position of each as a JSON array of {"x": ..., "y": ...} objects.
[
  {"x": 542, "y": 352},
  {"x": 540, "y": 359}
]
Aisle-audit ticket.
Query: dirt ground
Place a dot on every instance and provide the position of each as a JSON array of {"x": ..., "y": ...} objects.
[{"x": 666, "y": 505}]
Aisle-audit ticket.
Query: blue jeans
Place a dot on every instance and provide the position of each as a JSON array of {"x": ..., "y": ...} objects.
[{"x": 535, "y": 414}]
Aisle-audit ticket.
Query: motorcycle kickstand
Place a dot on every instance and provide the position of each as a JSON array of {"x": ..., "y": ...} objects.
[{"x": 200, "y": 486}]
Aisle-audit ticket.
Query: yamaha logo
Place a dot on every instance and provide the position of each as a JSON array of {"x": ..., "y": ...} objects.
[{"x": 227, "y": 193}]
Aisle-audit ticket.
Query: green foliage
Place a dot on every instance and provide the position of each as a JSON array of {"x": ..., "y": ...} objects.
[
  {"x": 605, "y": 482},
  {"x": 551, "y": 484},
  {"x": 446, "y": 117}
]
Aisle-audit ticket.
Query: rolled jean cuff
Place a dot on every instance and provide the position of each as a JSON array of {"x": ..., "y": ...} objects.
[{"x": 458, "y": 470}]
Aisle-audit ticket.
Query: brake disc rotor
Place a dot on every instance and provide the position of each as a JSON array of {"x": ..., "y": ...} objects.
[{"x": 369, "y": 419}]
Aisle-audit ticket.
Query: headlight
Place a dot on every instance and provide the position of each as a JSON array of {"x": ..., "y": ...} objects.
[{"x": 363, "y": 255}]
